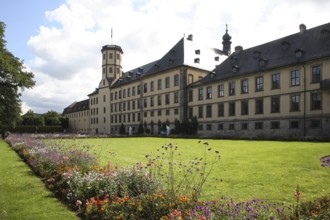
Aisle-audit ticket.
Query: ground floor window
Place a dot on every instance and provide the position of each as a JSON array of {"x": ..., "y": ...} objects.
[
  {"x": 258, "y": 125},
  {"x": 294, "y": 124},
  {"x": 275, "y": 125},
  {"x": 316, "y": 123},
  {"x": 244, "y": 126}
]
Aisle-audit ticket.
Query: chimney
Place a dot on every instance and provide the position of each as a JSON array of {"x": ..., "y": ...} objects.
[
  {"x": 238, "y": 49},
  {"x": 302, "y": 28},
  {"x": 190, "y": 37}
]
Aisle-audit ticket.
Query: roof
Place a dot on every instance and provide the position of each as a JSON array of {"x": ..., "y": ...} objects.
[
  {"x": 77, "y": 106},
  {"x": 312, "y": 44},
  {"x": 184, "y": 52}
]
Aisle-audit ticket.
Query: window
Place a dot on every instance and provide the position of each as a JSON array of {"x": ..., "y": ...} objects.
[
  {"x": 176, "y": 111},
  {"x": 128, "y": 92},
  {"x": 244, "y": 126},
  {"x": 111, "y": 96},
  {"x": 110, "y": 55},
  {"x": 231, "y": 126},
  {"x": 133, "y": 91},
  {"x": 104, "y": 110},
  {"x": 209, "y": 111},
  {"x": 200, "y": 127},
  {"x": 275, "y": 104},
  {"x": 295, "y": 103},
  {"x": 138, "y": 89},
  {"x": 159, "y": 100},
  {"x": 124, "y": 106},
  {"x": 145, "y": 88},
  {"x": 190, "y": 112},
  {"x": 221, "y": 110},
  {"x": 232, "y": 88},
  {"x": 274, "y": 125},
  {"x": 208, "y": 127},
  {"x": 259, "y": 106},
  {"x": 176, "y": 97},
  {"x": 316, "y": 74},
  {"x": 116, "y": 95},
  {"x": 128, "y": 105},
  {"x": 151, "y": 86},
  {"x": 138, "y": 104},
  {"x": 220, "y": 126},
  {"x": 295, "y": 78},
  {"x": 167, "y": 99},
  {"x": 200, "y": 112},
  {"x": 145, "y": 103},
  {"x": 200, "y": 93},
  {"x": 167, "y": 112},
  {"x": 209, "y": 92},
  {"x": 103, "y": 98},
  {"x": 159, "y": 112},
  {"x": 231, "y": 108},
  {"x": 190, "y": 96},
  {"x": 294, "y": 124},
  {"x": 119, "y": 94},
  {"x": 151, "y": 101},
  {"x": 176, "y": 80},
  {"x": 316, "y": 123},
  {"x": 152, "y": 113},
  {"x": 275, "y": 81},
  {"x": 167, "y": 82},
  {"x": 103, "y": 70},
  {"x": 221, "y": 90},
  {"x": 159, "y": 84},
  {"x": 258, "y": 125},
  {"x": 259, "y": 83},
  {"x": 316, "y": 101},
  {"x": 133, "y": 104},
  {"x": 244, "y": 86},
  {"x": 244, "y": 107}
]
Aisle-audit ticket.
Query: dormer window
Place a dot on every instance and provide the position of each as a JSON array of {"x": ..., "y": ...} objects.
[
  {"x": 299, "y": 53},
  {"x": 196, "y": 60},
  {"x": 262, "y": 62},
  {"x": 216, "y": 58},
  {"x": 156, "y": 66},
  {"x": 212, "y": 74},
  {"x": 170, "y": 61},
  {"x": 235, "y": 68},
  {"x": 197, "y": 52}
]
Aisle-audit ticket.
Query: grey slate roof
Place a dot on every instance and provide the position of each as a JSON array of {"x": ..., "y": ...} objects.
[
  {"x": 77, "y": 106},
  {"x": 172, "y": 59},
  {"x": 314, "y": 43}
]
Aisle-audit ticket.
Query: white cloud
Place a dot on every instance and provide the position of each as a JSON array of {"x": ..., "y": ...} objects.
[{"x": 67, "y": 61}]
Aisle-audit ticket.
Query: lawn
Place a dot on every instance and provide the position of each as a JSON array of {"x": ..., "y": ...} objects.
[
  {"x": 268, "y": 170},
  {"x": 22, "y": 194}
]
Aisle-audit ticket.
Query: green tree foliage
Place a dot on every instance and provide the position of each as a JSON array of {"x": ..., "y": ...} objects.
[
  {"x": 13, "y": 80},
  {"x": 30, "y": 118},
  {"x": 52, "y": 118},
  {"x": 122, "y": 129}
]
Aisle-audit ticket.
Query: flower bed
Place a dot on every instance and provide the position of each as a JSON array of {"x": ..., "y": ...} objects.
[{"x": 145, "y": 191}]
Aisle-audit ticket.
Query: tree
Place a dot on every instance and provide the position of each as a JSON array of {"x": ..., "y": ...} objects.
[
  {"x": 52, "y": 118},
  {"x": 29, "y": 118},
  {"x": 13, "y": 80},
  {"x": 122, "y": 129}
]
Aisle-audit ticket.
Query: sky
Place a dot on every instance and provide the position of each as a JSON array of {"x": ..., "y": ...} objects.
[{"x": 60, "y": 41}]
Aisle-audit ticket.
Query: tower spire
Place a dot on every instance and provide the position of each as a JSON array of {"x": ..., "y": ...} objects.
[
  {"x": 226, "y": 42},
  {"x": 111, "y": 36}
]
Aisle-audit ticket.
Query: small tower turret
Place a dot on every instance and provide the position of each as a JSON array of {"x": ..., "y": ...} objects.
[
  {"x": 111, "y": 61},
  {"x": 226, "y": 42}
]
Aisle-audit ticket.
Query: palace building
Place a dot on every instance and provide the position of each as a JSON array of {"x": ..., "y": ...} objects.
[{"x": 280, "y": 89}]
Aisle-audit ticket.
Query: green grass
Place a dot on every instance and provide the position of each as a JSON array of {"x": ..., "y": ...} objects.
[
  {"x": 22, "y": 194},
  {"x": 268, "y": 170}
]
